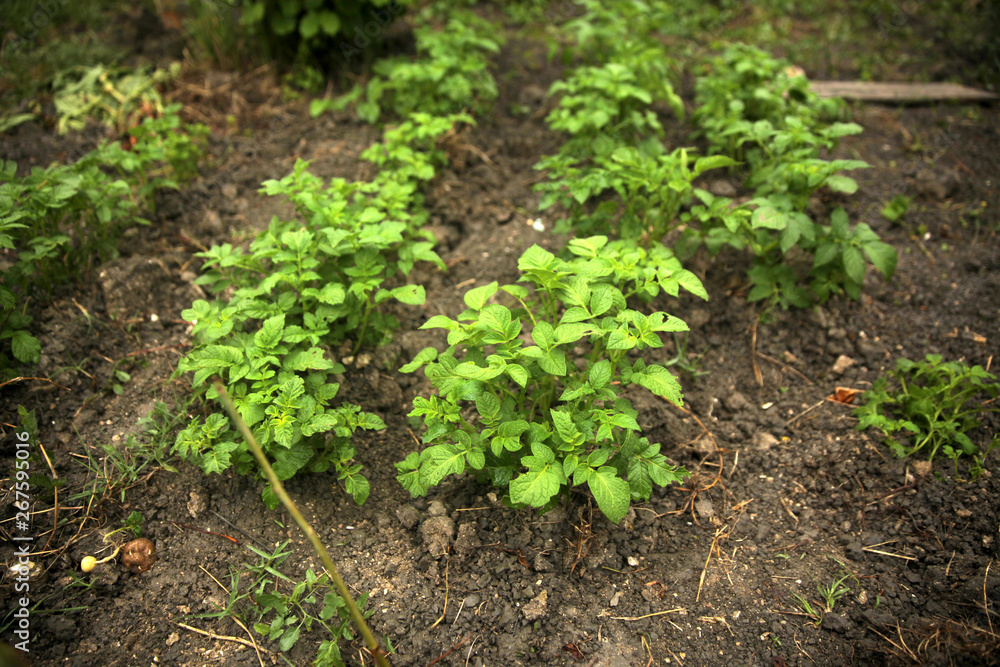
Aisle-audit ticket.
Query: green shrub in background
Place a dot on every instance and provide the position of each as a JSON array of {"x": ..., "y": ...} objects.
[{"x": 320, "y": 32}]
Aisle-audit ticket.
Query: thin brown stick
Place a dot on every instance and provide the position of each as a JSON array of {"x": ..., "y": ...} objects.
[
  {"x": 468, "y": 655},
  {"x": 894, "y": 492},
  {"x": 711, "y": 549},
  {"x": 55, "y": 517},
  {"x": 157, "y": 349},
  {"x": 583, "y": 536},
  {"x": 678, "y": 610},
  {"x": 19, "y": 379},
  {"x": 450, "y": 651},
  {"x": 444, "y": 611},
  {"x": 255, "y": 646},
  {"x": 804, "y": 413},
  {"x": 228, "y": 638},
  {"x": 986, "y": 602},
  {"x": 887, "y": 553},
  {"x": 785, "y": 366},
  {"x": 753, "y": 354},
  {"x": 693, "y": 416},
  {"x": 355, "y": 614}
]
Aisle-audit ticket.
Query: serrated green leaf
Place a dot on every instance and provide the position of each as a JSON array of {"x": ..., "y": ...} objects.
[
  {"x": 495, "y": 317},
  {"x": 882, "y": 256},
  {"x": 270, "y": 332},
  {"x": 425, "y": 356},
  {"x": 600, "y": 374},
  {"x": 570, "y": 333},
  {"x": 476, "y": 298},
  {"x": 844, "y": 184},
  {"x": 661, "y": 382},
  {"x": 575, "y": 314},
  {"x": 611, "y": 493},
  {"x": 439, "y": 461},
  {"x": 542, "y": 481},
  {"x": 767, "y": 217},
  {"x": 441, "y": 322},
  {"x": 517, "y": 373},
  {"x": 411, "y": 295},
  {"x": 25, "y": 347},
  {"x": 542, "y": 335},
  {"x": 310, "y": 359},
  {"x": 553, "y": 362},
  {"x": 565, "y": 428},
  {"x": 854, "y": 264}
]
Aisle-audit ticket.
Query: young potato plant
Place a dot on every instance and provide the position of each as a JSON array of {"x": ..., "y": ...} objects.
[
  {"x": 409, "y": 152},
  {"x": 840, "y": 253},
  {"x": 610, "y": 99},
  {"x": 545, "y": 378},
  {"x": 652, "y": 187},
  {"x": 744, "y": 86},
  {"x": 303, "y": 287},
  {"x": 449, "y": 75},
  {"x": 758, "y": 109},
  {"x": 933, "y": 408},
  {"x": 297, "y": 291},
  {"x": 55, "y": 221}
]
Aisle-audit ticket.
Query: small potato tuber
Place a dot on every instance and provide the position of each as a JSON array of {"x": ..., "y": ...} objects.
[{"x": 139, "y": 555}]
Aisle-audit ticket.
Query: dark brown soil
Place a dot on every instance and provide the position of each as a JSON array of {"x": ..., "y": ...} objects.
[{"x": 786, "y": 495}]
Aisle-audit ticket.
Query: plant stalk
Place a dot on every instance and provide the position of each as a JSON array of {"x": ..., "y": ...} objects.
[{"x": 352, "y": 609}]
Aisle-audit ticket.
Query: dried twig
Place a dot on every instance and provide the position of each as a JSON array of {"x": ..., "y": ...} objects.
[
  {"x": 19, "y": 379},
  {"x": 678, "y": 610},
  {"x": 228, "y": 638},
  {"x": 753, "y": 354},
  {"x": 449, "y": 651},
  {"x": 785, "y": 366}
]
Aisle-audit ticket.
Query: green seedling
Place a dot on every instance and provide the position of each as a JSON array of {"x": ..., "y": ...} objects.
[
  {"x": 331, "y": 653},
  {"x": 814, "y": 613},
  {"x": 833, "y": 592},
  {"x": 932, "y": 407},
  {"x": 759, "y": 110},
  {"x": 545, "y": 377},
  {"x": 896, "y": 209}
]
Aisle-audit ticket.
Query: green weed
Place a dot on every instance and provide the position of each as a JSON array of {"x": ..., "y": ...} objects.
[{"x": 932, "y": 408}]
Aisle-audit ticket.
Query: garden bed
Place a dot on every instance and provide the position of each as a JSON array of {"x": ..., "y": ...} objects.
[{"x": 786, "y": 496}]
